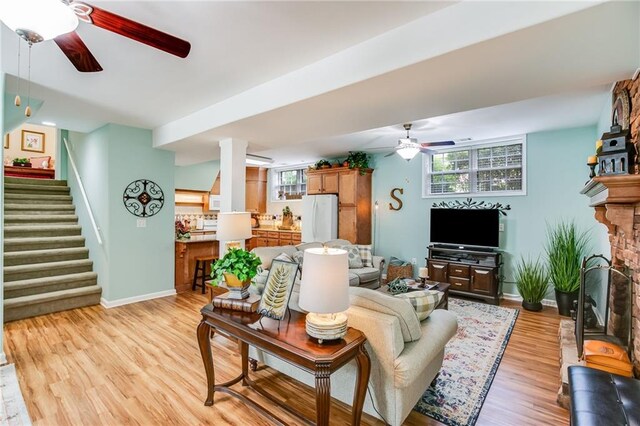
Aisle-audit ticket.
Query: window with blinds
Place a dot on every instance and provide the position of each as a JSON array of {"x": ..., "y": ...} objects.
[
  {"x": 289, "y": 184},
  {"x": 496, "y": 168}
]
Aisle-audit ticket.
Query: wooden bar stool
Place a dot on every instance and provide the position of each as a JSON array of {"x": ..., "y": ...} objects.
[{"x": 200, "y": 273}]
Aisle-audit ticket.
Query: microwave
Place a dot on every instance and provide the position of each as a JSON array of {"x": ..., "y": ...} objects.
[{"x": 214, "y": 202}]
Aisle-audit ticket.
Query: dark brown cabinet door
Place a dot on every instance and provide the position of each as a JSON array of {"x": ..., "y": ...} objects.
[
  {"x": 438, "y": 271},
  {"x": 482, "y": 280}
]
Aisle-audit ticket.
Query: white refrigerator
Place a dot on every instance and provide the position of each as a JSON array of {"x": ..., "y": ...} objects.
[{"x": 319, "y": 218}]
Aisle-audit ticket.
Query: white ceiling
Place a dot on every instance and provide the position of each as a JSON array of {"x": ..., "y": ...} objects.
[
  {"x": 532, "y": 115},
  {"x": 234, "y": 46},
  {"x": 304, "y": 80}
]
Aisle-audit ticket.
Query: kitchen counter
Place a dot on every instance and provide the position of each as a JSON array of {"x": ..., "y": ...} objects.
[
  {"x": 199, "y": 239},
  {"x": 186, "y": 253},
  {"x": 269, "y": 228}
]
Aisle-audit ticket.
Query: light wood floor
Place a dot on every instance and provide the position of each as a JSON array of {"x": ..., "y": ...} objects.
[{"x": 140, "y": 364}]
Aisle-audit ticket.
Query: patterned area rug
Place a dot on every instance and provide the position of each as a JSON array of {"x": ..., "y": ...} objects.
[
  {"x": 471, "y": 360},
  {"x": 12, "y": 408}
]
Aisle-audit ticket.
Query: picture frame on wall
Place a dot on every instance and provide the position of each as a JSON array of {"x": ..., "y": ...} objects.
[
  {"x": 6, "y": 141},
  {"x": 32, "y": 141}
]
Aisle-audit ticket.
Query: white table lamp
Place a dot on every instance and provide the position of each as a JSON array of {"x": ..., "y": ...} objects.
[
  {"x": 324, "y": 292},
  {"x": 234, "y": 227}
]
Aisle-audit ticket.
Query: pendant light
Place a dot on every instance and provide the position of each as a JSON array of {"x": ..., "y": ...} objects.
[
  {"x": 17, "y": 101},
  {"x": 27, "y": 110}
]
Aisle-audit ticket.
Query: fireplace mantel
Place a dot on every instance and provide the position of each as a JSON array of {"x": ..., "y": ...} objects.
[{"x": 615, "y": 199}]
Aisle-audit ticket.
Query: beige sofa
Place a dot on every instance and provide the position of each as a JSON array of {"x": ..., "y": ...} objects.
[
  {"x": 360, "y": 277},
  {"x": 406, "y": 354}
]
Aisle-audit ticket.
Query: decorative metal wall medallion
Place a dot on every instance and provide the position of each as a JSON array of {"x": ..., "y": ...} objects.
[
  {"x": 470, "y": 204},
  {"x": 143, "y": 198}
]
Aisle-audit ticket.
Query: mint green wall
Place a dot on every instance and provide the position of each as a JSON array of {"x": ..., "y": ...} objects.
[
  {"x": 13, "y": 116},
  {"x": 198, "y": 177},
  {"x": 90, "y": 153},
  {"x": 141, "y": 260},
  {"x": 556, "y": 172},
  {"x": 132, "y": 261}
]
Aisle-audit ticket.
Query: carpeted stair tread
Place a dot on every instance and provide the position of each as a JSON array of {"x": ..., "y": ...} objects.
[
  {"x": 42, "y": 243},
  {"x": 18, "y": 188},
  {"x": 55, "y": 301},
  {"x": 47, "y": 284},
  {"x": 46, "y": 264},
  {"x": 42, "y": 209},
  {"x": 37, "y": 199},
  {"x": 28, "y": 181},
  {"x": 34, "y": 257},
  {"x": 50, "y": 218},
  {"x": 47, "y": 269},
  {"x": 26, "y": 231}
]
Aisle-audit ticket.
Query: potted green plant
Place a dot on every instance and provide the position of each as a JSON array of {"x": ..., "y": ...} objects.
[
  {"x": 358, "y": 160},
  {"x": 532, "y": 281},
  {"x": 21, "y": 162},
  {"x": 237, "y": 267},
  {"x": 565, "y": 248},
  {"x": 322, "y": 164}
]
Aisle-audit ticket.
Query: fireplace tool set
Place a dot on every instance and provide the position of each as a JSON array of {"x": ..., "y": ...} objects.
[{"x": 603, "y": 351}]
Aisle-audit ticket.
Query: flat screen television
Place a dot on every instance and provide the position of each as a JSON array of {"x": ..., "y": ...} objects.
[{"x": 468, "y": 227}]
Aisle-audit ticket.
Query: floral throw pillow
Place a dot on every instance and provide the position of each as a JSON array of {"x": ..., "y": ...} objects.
[{"x": 355, "y": 261}]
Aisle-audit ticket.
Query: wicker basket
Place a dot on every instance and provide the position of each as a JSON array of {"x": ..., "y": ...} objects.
[{"x": 394, "y": 272}]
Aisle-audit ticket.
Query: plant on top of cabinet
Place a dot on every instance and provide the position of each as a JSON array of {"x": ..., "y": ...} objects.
[
  {"x": 358, "y": 160},
  {"x": 322, "y": 164}
]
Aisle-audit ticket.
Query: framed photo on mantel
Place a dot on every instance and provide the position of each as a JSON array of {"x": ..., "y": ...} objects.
[{"x": 32, "y": 141}]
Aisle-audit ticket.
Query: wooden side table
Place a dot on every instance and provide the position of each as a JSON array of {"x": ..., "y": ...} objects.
[{"x": 291, "y": 344}]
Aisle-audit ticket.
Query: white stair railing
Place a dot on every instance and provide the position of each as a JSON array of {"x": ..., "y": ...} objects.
[{"x": 96, "y": 229}]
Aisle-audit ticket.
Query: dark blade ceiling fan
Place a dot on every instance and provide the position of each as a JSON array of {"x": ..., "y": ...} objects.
[
  {"x": 409, "y": 147},
  {"x": 22, "y": 17}
]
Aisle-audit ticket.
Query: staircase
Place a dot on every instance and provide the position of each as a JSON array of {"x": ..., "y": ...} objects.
[{"x": 46, "y": 265}]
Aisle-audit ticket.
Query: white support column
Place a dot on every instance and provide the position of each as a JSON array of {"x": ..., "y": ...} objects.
[{"x": 233, "y": 154}]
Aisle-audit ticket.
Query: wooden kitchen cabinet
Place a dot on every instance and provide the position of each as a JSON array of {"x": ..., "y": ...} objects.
[
  {"x": 354, "y": 206},
  {"x": 323, "y": 181},
  {"x": 255, "y": 196},
  {"x": 256, "y": 190},
  {"x": 274, "y": 238},
  {"x": 354, "y": 199}
]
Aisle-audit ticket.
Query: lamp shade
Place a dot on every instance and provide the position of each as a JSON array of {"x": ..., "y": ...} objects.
[
  {"x": 325, "y": 281},
  {"x": 47, "y": 18},
  {"x": 235, "y": 226}
]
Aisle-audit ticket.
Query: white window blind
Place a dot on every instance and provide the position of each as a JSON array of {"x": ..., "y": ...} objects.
[{"x": 493, "y": 168}]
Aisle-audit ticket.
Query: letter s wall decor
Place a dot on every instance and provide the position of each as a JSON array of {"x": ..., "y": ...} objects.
[{"x": 396, "y": 197}]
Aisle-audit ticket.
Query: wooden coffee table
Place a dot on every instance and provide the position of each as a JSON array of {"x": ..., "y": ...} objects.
[
  {"x": 290, "y": 343},
  {"x": 442, "y": 287}
]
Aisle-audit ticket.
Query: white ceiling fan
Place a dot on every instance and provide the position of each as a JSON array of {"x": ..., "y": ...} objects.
[{"x": 409, "y": 147}]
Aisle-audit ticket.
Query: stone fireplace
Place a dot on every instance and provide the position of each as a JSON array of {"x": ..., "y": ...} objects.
[{"x": 616, "y": 200}]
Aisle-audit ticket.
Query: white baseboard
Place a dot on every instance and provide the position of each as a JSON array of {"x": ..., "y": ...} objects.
[
  {"x": 135, "y": 299},
  {"x": 3, "y": 358},
  {"x": 518, "y": 298}
]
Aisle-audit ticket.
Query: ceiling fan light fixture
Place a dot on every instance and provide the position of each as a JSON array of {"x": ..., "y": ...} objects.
[
  {"x": 45, "y": 18},
  {"x": 408, "y": 152}
]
